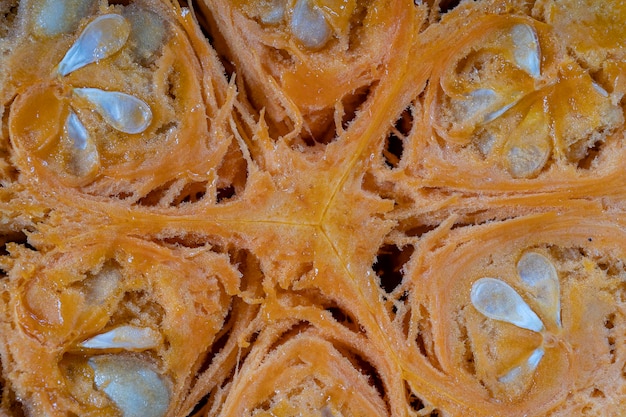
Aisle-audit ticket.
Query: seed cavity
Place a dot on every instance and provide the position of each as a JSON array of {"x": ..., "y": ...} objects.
[
  {"x": 136, "y": 389},
  {"x": 540, "y": 275},
  {"x": 100, "y": 39},
  {"x": 125, "y": 337},
  {"x": 122, "y": 111},
  {"x": 309, "y": 25},
  {"x": 499, "y": 301},
  {"x": 527, "y": 52}
]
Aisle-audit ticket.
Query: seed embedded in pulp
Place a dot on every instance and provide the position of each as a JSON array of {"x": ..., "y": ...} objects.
[
  {"x": 539, "y": 273},
  {"x": 131, "y": 384},
  {"x": 100, "y": 39},
  {"x": 499, "y": 301},
  {"x": 77, "y": 131},
  {"x": 122, "y": 111},
  {"x": 309, "y": 25},
  {"x": 126, "y": 337},
  {"x": 529, "y": 366},
  {"x": 527, "y": 52}
]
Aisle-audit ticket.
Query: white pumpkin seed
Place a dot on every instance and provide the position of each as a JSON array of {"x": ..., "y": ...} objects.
[
  {"x": 534, "y": 359},
  {"x": 100, "y": 39},
  {"x": 122, "y": 111},
  {"x": 529, "y": 145},
  {"x": 125, "y": 337},
  {"x": 528, "y": 367},
  {"x": 309, "y": 25},
  {"x": 478, "y": 101},
  {"x": 539, "y": 273},
  {"x": 76, "y": 131},
  {"x": 499, "y": 301},
  {"x": 497, "y": 113},
  {"x": 527, "y": 52},
  {"x": 84, "y": 156},
  {"x": 136, "y": 389},
  {"x": 599, "y": 89}
]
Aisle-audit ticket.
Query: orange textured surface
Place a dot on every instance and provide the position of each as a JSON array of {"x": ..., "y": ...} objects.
[{"x": 313, "y": 208}]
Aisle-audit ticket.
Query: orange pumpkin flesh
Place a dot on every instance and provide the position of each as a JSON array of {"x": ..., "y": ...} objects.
[{"x": 306, "y": 221}]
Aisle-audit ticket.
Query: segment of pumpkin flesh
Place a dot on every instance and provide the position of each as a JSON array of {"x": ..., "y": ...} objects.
[{"x": 498, "y": 78}]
